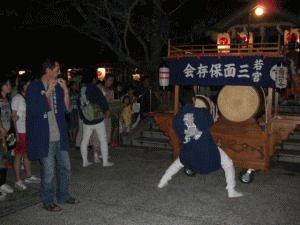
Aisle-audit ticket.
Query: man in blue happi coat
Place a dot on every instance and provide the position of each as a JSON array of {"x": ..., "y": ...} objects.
[
  {"x": 47, "y": 102},
  {"x": 198, "y": 152}
]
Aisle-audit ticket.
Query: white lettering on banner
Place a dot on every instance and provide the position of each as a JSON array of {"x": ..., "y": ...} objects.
[
  {"x": 244, "y": 72},
  {"x": 215, "y": 70},
  {"x": 229, "y": 70},
  {"x": 257, "y": 66},
  {"x": 202, "y": 71},
  {"x": 189, "y": 71},
  {"x": 256, "y": 76}
]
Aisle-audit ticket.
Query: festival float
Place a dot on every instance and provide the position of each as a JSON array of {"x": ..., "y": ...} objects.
[{"x": 250, "y": 77}]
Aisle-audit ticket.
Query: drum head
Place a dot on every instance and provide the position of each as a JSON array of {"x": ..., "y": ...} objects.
[
  {"x": 238, "y": 103},
  {"x": 201, "y": 102}
]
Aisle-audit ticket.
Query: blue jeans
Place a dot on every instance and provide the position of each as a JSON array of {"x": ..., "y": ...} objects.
[{"x": 57, "y": 163}]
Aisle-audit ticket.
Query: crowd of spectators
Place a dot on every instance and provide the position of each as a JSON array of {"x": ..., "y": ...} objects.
[{"x": 125, "y": 105}]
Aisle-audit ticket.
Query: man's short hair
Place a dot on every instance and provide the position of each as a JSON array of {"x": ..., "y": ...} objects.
[
  {"x": 49, "y": 63},
  {"x": 186, "y": 95}
]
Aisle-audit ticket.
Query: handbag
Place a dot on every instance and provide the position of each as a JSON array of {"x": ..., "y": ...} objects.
[
  {"x": 11, "y": 138},
  {"x": 10, "y": 144},
  {"x": 92, "y": 112}
]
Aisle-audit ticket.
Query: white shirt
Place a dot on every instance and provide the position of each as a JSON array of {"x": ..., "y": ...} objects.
[{"x": 18, "y": 104}]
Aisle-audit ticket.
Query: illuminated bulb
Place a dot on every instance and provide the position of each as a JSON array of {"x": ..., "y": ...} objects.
[{"x": 259, "y": 11}]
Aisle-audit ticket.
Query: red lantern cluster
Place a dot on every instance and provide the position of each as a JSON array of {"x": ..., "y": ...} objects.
[
  {"x": 292, "y": 36},
  {"x": 223, "y": 41}
]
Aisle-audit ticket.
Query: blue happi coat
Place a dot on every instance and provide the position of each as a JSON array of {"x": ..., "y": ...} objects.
[
  {"x": 37, "y": 125},
  {"x": 198, "y": 149}
]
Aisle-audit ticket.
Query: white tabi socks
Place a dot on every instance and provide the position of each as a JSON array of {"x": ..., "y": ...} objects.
[
  {"x": 229, "y": 170},
  {"x": 170, "y": 172}
]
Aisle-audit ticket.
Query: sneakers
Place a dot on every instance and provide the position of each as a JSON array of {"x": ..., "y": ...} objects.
[
  {"x": 86, "y": 164},
  {"x": 32, "y": 179},
  {"x": 107, "y": 164},
  {"x": 6, "y": 189},
  {"x": 97, "y": 160},
  {"x": 20, "y": 185}
]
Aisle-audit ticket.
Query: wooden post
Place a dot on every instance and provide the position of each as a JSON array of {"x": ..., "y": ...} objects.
[
  {"x": 276, "y": 104},
  {"x": 269, "y": 105},
  {"x": 176, "y": 99},
  {"x": 175, "y": 139}
]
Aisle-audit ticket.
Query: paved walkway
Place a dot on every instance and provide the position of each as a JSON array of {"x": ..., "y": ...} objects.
[{"x": 127, "y": 194}]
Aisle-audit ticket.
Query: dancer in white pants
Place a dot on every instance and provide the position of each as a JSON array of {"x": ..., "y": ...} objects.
[
  {"x": 227, "y": 166},
  {"x": 198, "y": 151},
  {"x": 101, "y": 133}
]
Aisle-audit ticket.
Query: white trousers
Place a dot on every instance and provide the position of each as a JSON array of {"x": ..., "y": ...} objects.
[
  {"x": 108, "y": 129},
  {"x": 100, "y": 130},
  {"x": 94, "y": 141},
  {"x": 226, "y": 163},
  {"x": 79, "y": 133}
]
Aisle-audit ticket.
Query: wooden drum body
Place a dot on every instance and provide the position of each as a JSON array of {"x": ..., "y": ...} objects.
[{"x": 205, "y": 102}]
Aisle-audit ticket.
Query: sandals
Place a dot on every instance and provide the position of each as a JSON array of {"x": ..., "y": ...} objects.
[
  {"x": 56, "y": 208},
  {"x": 52, "y": 207},
  {"x": 72, "y": 201}
]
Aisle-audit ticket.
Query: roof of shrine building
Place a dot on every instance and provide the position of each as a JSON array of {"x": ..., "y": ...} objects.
[{"x": 244, "y": 17}]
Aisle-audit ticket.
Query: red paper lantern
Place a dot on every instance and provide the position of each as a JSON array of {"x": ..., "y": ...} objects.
[
  {"x": 290, "y": 35},
  {"x": 223, "y": 41}
]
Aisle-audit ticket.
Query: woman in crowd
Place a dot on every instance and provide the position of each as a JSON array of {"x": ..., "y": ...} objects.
[
  {"x": 18, "y": 106},
  {"x": 108, "y": 92},
  {"x": 115, "y": 118},
  {"x": 91, "y": 94},
  {"x": 5, "y": 125}
]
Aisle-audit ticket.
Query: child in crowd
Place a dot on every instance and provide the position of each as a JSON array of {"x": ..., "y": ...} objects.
[
  {"x": 135, "y": 106},
  {"x": 199, "y": 152},
  {"x": 126, "y": 115},
  {"x": 18, "y": 106},
  {"x": 5, "y": 125}
]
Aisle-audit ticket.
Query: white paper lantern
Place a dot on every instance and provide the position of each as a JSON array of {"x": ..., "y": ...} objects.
[{"x": 164, "y": 76}]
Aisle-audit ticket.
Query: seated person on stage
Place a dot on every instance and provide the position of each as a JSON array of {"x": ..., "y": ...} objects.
[{"x": 198, "y": 152}]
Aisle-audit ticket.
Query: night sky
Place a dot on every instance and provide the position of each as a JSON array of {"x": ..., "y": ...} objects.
[{"x": 26, "y": 48}]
